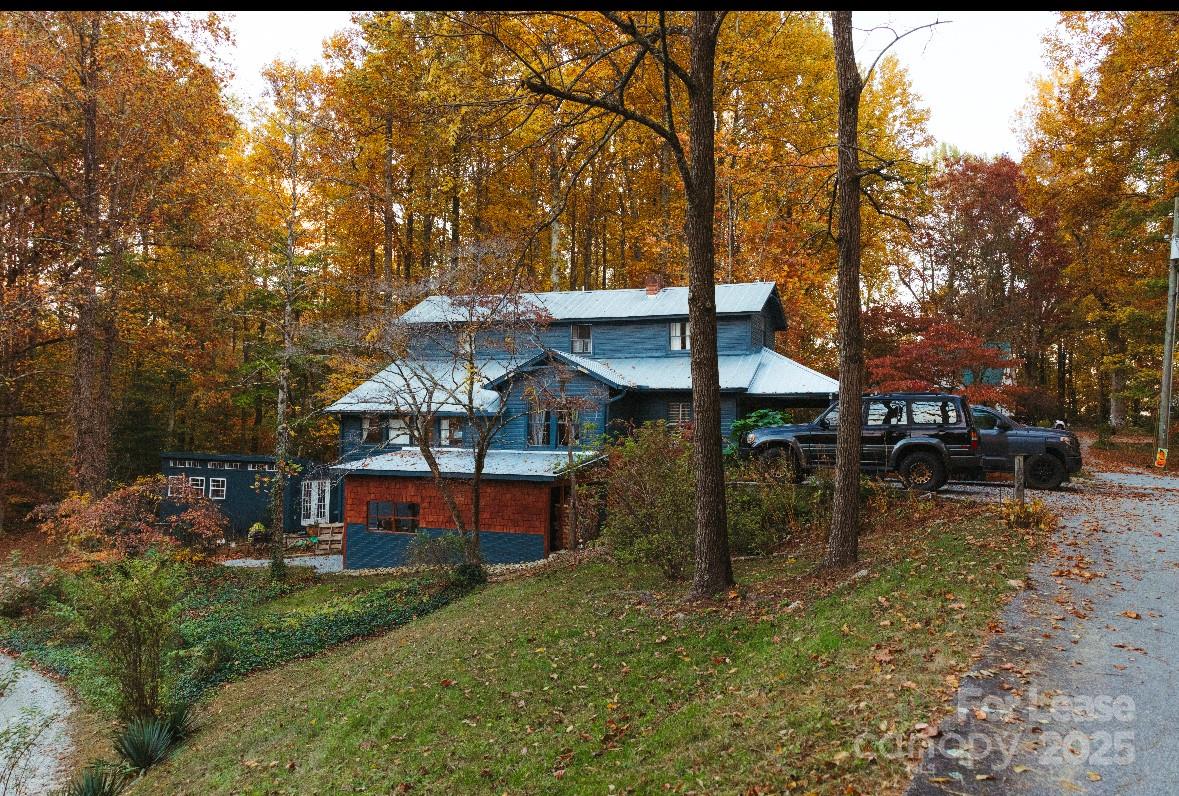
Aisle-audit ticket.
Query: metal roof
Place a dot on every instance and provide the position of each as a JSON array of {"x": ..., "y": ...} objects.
[
  {"x": 763, "y": 372},
  {"x": 779, "y": 375},
  {"x": 589, "y": 305},
  {"x": 459, "y": 463},
  {"x": 411, "y": 384}
]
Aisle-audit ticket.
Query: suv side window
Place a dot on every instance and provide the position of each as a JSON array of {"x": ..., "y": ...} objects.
[
  {"x": 886, "y": 413},
  {"x": 984, "y": 420},
  {"x": 935, "y": 413}
]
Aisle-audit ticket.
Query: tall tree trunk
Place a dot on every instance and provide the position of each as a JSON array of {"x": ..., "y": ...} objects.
[
  {"x": 90, "y": 404},
  {"x": 714, "y": 566},
  {"x": 387, "y": 207},
  {"x": 5, "y": 441},
  {"x": 843, "y": 540},
  {"x": 555, "y": 226}
]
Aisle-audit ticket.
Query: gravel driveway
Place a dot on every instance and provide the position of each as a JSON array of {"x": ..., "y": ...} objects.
[
  {"x": 1080, "y": 694},
  {"x": 31, "y": 699},
  {"x": 321, "y": 564}
]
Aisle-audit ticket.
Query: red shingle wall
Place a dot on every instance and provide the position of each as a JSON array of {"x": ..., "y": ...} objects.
[{"x": 513, "y": 506}]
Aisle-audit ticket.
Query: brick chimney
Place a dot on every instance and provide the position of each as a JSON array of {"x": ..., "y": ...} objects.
[{"x": 654, "y": 284}]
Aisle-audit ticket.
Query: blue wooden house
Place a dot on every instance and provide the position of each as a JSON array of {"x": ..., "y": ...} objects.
[
  {"x": 623, "y": 356},
  {"x": 241, "y": 484}
]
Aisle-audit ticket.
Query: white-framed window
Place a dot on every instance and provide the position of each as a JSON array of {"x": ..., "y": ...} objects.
[
  {"x": 679, "y": 335},
  {"x": 175, "y": 485},
  {"x": 217, "y": 488},
  {"x": 451, "y": 431},
  {"x": 316, "y": 499},
  {"x": 216, "y": 465},
  {"x": 679, "y": 412},
  {"x": 399, "y": 433},
  {"x": 372, "y": 429},
  {"x": 197, "y": 482},
  {"x": 271, "y": 466},
  {"x": 568, "y": 427},
  {"x": 538, "y": 427},
  {"x": 581, "y": 338},
  {"x": 232, "y": 465}
]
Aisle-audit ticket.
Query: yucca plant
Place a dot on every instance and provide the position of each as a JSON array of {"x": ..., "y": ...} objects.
[
  {"x": 97, "y": 780},
  {"x": 145, "y": 742}
]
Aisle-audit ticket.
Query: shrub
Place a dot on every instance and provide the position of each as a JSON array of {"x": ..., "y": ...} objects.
[
  {"x": 144, "y": 742},
  {"x": 764, "y": 514},
  {"x": 436, "y": 550},
  {"x": 650, "y": 509},
  {"x": 24, "y": 589},
  {"x": 258, "y": 534},
  {"x": 759, "y": 418},
  {"x": 133, "y": 519},
  {"x": 129, "y": 612},
  {"x": 1033, "y": 515},
  {"x": 469, "y": 575},
  {"x": 98, "y": 780}
]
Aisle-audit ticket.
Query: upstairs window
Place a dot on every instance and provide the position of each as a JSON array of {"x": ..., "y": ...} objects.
[
  {"x": 680, "y": 335},
  {"x": 538, "y": 427},
  {"x": 581, "y": 335},
  {"x": 372, "y": 430},
  {"x": 217, "y": 488},
  {"x": 197, "y": 483},
  {"x": 568, "y": 427},
  {"x": 679, "y": 413},
  {"x": 399, "y": 431},
  {"x": 451, "y": 431}
]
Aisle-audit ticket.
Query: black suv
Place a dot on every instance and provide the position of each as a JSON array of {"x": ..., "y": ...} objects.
[
  {"x": 1052, "y": 454},
  {"x": 923, "y": 437}
]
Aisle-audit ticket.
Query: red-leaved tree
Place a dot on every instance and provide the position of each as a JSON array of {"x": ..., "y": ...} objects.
[{"x": 941, "y": 356}]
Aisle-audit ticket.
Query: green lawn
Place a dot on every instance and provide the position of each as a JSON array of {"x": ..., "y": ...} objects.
[{"x": 595, "y": 679}]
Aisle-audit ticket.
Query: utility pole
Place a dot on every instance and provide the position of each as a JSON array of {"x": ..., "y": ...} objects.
[{"x": 1169, "y": 342}]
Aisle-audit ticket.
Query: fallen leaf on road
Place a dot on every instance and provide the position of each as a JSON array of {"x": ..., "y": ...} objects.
[
  {"x": 1131, "y": 614},
  {"x": 1094, "y": 776}
]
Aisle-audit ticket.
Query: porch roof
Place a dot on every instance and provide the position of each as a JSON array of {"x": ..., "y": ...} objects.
[
  {"x": 763, "y": 373},
  {"x": 460, "y": 463}
]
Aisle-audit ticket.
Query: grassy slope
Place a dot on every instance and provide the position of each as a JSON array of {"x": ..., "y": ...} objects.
[{"x": 578, "y": 680}]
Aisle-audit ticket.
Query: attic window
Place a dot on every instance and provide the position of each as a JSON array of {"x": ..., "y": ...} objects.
[
  {"x": 680, "y": 335},
  {"x": 581, "y": 335}
]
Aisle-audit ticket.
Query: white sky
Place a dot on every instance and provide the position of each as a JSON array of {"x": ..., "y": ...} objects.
[{"x": 973, "y": 73}]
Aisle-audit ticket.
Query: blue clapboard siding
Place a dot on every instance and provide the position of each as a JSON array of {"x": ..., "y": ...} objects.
[
  {"x": 247, "y": 492},
  {"x": 647, "y": 338},
  {"x": 514, "y": 434},
  {"x": 364, "y": 549},
  {"x": 646, "y": 407}
]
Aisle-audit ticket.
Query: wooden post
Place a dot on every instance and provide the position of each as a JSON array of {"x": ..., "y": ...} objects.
[{"x": 1019, "y": 479}]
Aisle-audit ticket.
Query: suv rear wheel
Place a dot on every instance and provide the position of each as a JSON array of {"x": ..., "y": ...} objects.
[
  {"x": 923, "y": 470},
  {"x": 1044, "y": 471},
  {"x": 784, "y": 459}
]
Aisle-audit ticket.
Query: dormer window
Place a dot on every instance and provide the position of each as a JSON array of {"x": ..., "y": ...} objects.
[
  {"x": 680, "y": 335},
  {"x": 582, "y": 340}
]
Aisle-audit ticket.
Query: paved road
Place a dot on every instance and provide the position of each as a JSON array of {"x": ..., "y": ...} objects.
[{"x": 1081, "y": 693}]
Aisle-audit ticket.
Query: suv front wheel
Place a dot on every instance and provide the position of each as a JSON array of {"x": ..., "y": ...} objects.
[
  {"x": 785, "y": 460},
  {"x": 1045, "y": 471},
  {"x": 923, "y": 470}
]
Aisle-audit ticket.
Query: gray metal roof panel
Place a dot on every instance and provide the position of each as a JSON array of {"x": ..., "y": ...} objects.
[
  {"x": 459, "y": 462},
  {"x": 571, "y": 305}
]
